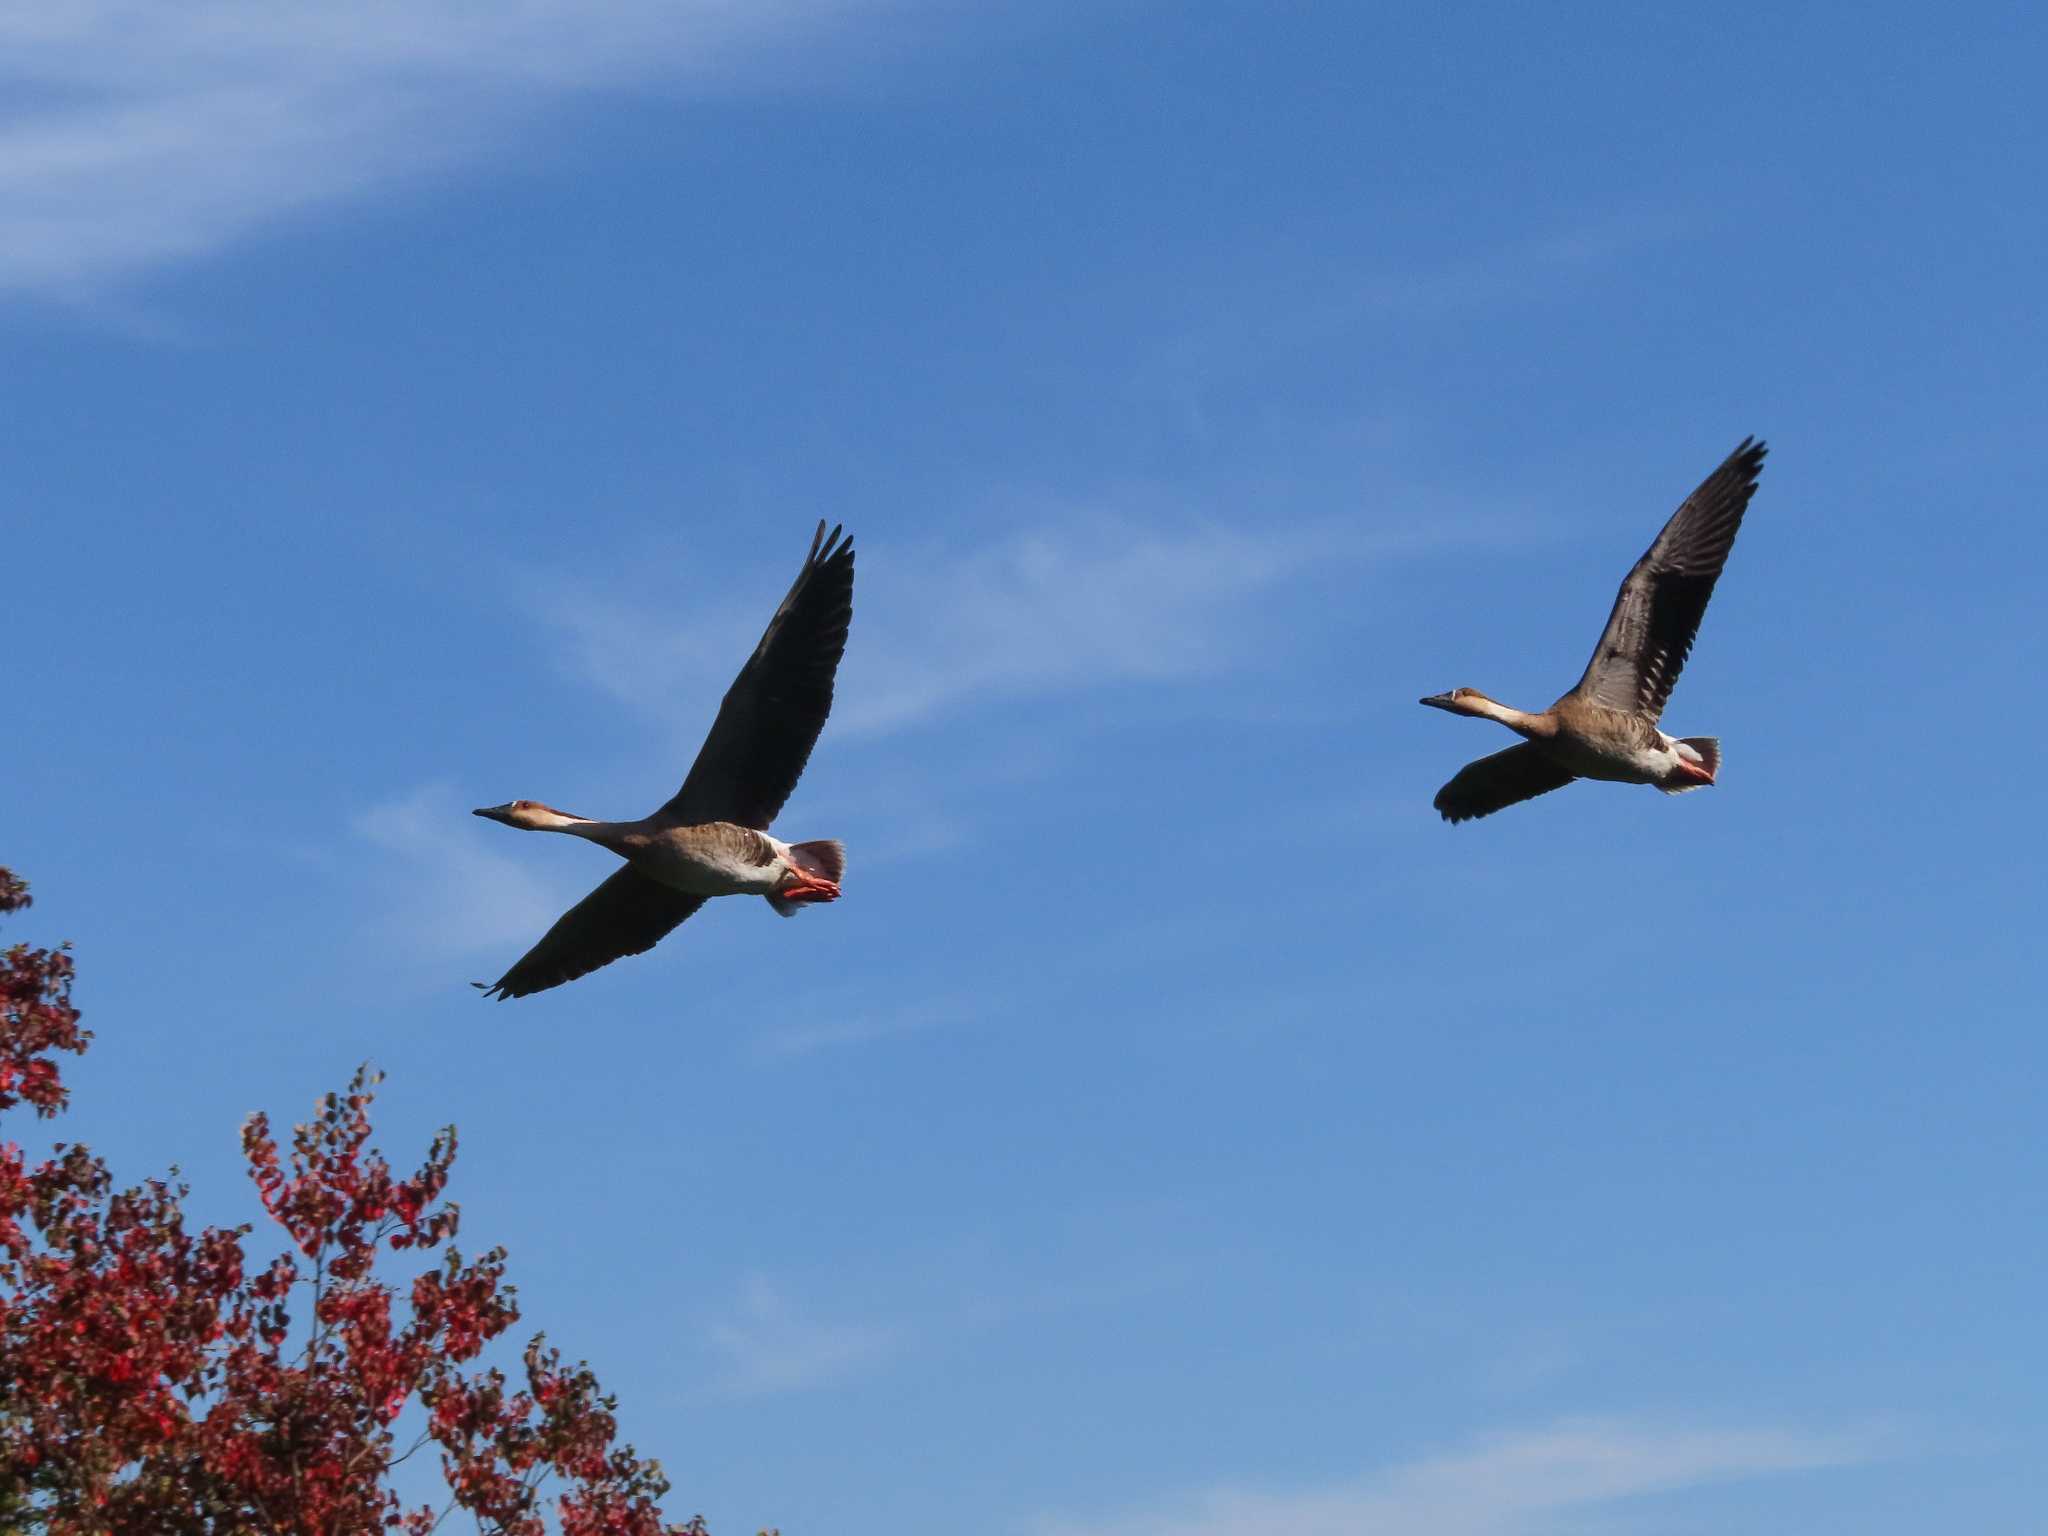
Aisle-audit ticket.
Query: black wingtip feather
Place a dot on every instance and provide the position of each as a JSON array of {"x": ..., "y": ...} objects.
[{"x": 826, "y": 548}]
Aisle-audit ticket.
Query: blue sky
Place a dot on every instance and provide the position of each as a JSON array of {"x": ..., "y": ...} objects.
[{"x": 1176, "y": 1128}]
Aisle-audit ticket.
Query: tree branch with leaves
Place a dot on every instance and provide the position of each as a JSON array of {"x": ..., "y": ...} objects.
[{"x": 154, "y": 1383}]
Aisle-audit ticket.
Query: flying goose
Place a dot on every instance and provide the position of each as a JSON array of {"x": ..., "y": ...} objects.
[
  {"x": 1606, "y": 727},
  {"x": 712, "y": 838}
]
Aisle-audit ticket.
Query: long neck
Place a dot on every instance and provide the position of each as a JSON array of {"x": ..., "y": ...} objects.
[
  {"x": 576, "y": 826},
  {"x": 1517, "y": 720}
]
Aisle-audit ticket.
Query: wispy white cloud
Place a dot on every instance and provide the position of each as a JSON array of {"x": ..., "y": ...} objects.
[
  {"x": 838, "y": 1020},
  {"x": 136, "y": 134},
  {"x": 1510, "y": 1485},
  {"x": 1100, "y": 599},
  {"x": 1081, "y": 599},
  {"x": 769, "y": 1345},
  {"x": 441, "y": 892},
  {"x": 1258, "y": 319},
  {"x": 1535, "y": 1358},
  {"x": 768, "y": 1342}
]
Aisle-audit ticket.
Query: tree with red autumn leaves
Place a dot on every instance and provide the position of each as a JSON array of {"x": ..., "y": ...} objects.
[{"x": 154, "y": 1383}]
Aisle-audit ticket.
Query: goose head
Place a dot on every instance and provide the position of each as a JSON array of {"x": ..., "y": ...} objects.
[
  {"x": 1461, "y": 701},
  {"x": 529, "y": 815}
]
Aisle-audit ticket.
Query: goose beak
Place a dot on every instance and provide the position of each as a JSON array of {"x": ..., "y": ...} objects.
[
  {"x": 495, "y": 813},
  {"x": 1434, "y": 701}
]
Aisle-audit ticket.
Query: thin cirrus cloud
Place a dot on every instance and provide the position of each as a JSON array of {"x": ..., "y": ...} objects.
[
  {"x": 843, "y": 1021},
  {"x": 442, "y": 892},
  {"x": 1065, "y": 606},
  {"x": 1519, "y": 1484},
  {"x": 769, "y": 1345},
  {"x": 137, "y": 135}
]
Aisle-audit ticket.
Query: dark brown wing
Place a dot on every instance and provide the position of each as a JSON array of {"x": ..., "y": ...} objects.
[
  {"x": 629, "y": 913},
  {"x": 1650, "y": 632},
  {"x": 1497, "y": 782},
  {"x": 775, "y": 708}
]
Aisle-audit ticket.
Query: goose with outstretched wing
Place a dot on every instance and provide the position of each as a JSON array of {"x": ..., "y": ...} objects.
[
  {"x": 711, "y": 838},
  {"x": 1607, "y": 726}
]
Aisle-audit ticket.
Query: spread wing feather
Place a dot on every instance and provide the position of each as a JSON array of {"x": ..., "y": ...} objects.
[
  {"x": 627, "y": 914},
  {"x": 775, "y": 708},
  {"x": 1658, "y": 611},
  {"x": 1494, "y": 783}
]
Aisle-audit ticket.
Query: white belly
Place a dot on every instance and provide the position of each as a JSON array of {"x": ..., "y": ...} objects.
[{"x": 1643, "y": 765}]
